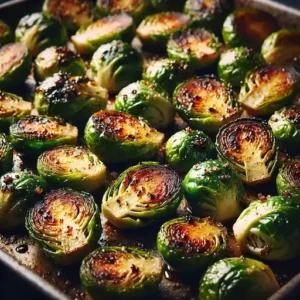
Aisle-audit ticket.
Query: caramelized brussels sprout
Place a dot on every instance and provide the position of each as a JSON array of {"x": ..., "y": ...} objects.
[
  {"x": 5, "y": 34},
  {"x": 121, "y": 273},
  {"x": 167, "y": 5},
  {"x": 205, "y": 103},
  {"x": 115, "y": 65},
  {"x": 6, "y": 156},
  {"x": 66, "y": 224},
  {"x": 119, "y": 137},
  {"x": 142, "y": 195},
  {"x": 249, "y": 146}
]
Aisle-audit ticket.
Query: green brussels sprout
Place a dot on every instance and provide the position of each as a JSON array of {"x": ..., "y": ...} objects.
[
  {"x": 199, "y": 48},
  {"x": 268, "y": 89},
  {"x": 73, "y": 98},
  {"x": 142, "y": 195},
  {"x": 36, "y": 134},
  {"x": 205, "y": 103},
  {"x": 248, "y": 27},
  {"x": 121, "y": 273},
  {"x": 56, "y": 59},
  {"x": 249, "y": 146},
  {"x": 143, "y": 99},
  {"x": 66, "y": 224},
  {"x": 115, "y": 65},
  {"x": 89, "y": 37},
  {"x": 238, "y": 278},
  {"x": 16, "y": 67},
  {"x": 235, "y": 63},
  {"x": 187, "y": 147},
  {"x": 5, "y": 34},
  {"x": 212, "y": 188},
  {"x": 38, "y": 32},
  {"x": 6, "y": 156},
  {"x": 190, "y": 244},
  {"x": 166, "y": 5},
  {"x": 19, "y": 191},
  {"x": 155, "y": 30}
]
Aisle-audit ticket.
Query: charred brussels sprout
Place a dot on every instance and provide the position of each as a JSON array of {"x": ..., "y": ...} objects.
[
  {"x": 205, "y": 103},
  {"x": 142, "y": 99},
  {"x": 167, "y": 5},
  {"x": 5, "y": 34},
  {"x": 238, "y": 278},
  {"x": 121, "y": 273},
  {"x": 213, "y": 189},
  {"x": 38, "y": 32},
  {"x": 115, "y": 65},
  {"x": 142, "y": 195},
  {"x": 66, "y": 224},
  {"x": 6, "y": 156}
]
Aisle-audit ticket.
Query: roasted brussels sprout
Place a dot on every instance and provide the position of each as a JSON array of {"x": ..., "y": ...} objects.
[
  {"x": 141, "y": 195},
  {"x": 36, "y": 134},
  {"x": 38, "y": 32},
  {"x": 238, "y": 278},
  {"x": 5, "y": 34},
  {"x": 66, "y": 224},
  {"x": 142, "y": 99},
  {"x": 205, "y": 103},
  {"x": 249, "y": 146},
  {"x": 166, "y": 5},
  {"x": 212, "y": 188},
  {"x": 121, "y": 273},
  {"x": 74, "y": 98},
  {"x": 89, "y": 37},
  {"x": 115, "y": 65},
  {"x": 6, "y": 156}
]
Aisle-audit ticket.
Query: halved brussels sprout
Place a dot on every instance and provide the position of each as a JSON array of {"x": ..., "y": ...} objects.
[
  {"x": 56, "y": 59},
  {"x": 74, "y": 98},
  {"x": 19, "y": 191},
  {"x": 238, "y": 278},
  {"x": 16, "y": 67},
  {"x": 142, "y": 195},
  {"x": 270, "y": 228},
  {"x": 36, "y": 134},
  {"x": 189, "y": 244},
  {"x": 71, "y": 166},
  {"x": 89, "y": 37},
  {"x": 155, "y": 30},
  {"x": 205, "y": 103},
  {"x": 38, "y": 32},
  {"x": 66, "y": 224},
  {"x": 199, "y": 48},
  {"x": 248, "y": 27},
  {"x": 213, "y": 189},
  {"x": 119, "y": 137},
  {"x": 268, "y": 89},
  {"x": 143, "y": 99},
  {"x": 115, "y": 65},
  {"x": 235, "y": 63},
  {"x": 6, "y": 155},
  {"x": 121, "y": 273},
  {"x": 187, "y": 147},
  {"x": 167, "y": 5},
  {"x": 5, "y": 34}
]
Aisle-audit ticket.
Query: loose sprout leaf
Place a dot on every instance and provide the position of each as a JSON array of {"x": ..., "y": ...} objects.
[{"x": 6, "y": 155}]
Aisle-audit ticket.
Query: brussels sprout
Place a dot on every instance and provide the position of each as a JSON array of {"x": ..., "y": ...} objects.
[
  {"x": 38, "y": 32},
  {"x": 199, "y": 48},
  {"x": 188, "y": 147},
  {"x": 248, "y": 27},
  {"x": 238, "y": 278},
  {"x": 55, "y": 59},
  {"x": 190, "y": 244},
  {"x": 141, "y": 195},
  {"x": 36, "y": 134},
  {"x": 115, "y": 65},
  {"x": 235, "y": 63},
  {"x": 6, "y": 156},
  {"x": 155, "y": 30},
  {"x": 249, "y": 146},
  {"x": 19, "y": 191},
  {"x": 16, "y": 67},
  {"x": 205, "y": 103},
  {"x": 89, "y": 37},
  {"x": 66, "y": 224},
  {"x": 74, "y": 98},
  {"x": 142, "y": 99},
  {"x": 118, "y": 137},
  {"x": 121, "y": 273},
  {"x": 5, "y": 34},
  {"x": 268, "y": 89}
]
